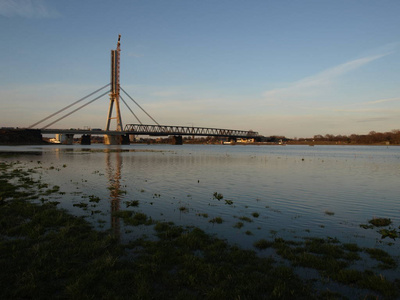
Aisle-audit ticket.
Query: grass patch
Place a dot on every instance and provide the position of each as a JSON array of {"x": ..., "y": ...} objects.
[
  {"x": 183, "y": 209},
  {"x": 133, "y": 218},
  {"x": 80, "y": 205},
  {"x": 93, "y": 198},
  {"x": 380, "y": 222},
  {"x": 133, "y": 203},
  {"x": 387, "y": 261},
  {"x": 391, "y": 233},
  {"x": 217, "y": 220},
  {"x": 246, "y": 219},
  {"x": 218, "y": 196},
  {"x": 238, "y": 225},
  {"x": 204, "y": 215}
]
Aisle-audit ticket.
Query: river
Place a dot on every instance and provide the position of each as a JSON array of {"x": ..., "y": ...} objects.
[{"x": 265, "y": 191}]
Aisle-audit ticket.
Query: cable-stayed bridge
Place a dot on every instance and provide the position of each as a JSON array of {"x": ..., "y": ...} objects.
[{"x": 121, "y": 134}]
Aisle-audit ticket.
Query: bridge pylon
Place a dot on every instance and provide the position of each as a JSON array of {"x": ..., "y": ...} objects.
[{"x": 114, "y": 97}]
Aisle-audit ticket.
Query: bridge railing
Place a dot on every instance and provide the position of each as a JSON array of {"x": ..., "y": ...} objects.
[{"x": 185, "y": 130}]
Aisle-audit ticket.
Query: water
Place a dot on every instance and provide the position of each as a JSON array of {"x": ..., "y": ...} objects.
[{"x": 297, "y": 191}]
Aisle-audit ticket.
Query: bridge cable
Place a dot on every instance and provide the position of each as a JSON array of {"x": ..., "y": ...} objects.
[
  {"x": 139, "y": 106},
  {"x": 61, "y": 110},
  {"x": 130, "y": 110},
  {"x": 82, "y": 106}
]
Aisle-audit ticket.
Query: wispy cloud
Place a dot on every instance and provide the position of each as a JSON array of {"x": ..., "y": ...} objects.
[
  {"x": 384, "y": 100},
  {"x": 317, "y": 84},
  {"x": 369, "y": 120},
  {"x": 27, "y": 9}
]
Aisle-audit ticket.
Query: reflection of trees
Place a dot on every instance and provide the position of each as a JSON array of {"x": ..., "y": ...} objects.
[{"x": 114, "y": 165}]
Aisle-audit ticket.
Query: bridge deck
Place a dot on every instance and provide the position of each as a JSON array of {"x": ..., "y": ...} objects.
[{"x": 159, "y": 130}]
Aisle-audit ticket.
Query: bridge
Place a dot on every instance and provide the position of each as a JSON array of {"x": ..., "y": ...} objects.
[{"x": 122, "y": 135}]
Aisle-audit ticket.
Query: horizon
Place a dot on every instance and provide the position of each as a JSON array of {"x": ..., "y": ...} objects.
[{"x": 293, "y": 69}]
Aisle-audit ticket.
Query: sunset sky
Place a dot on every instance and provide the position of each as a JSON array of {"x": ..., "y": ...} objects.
[{"x": 293, "y": 68}]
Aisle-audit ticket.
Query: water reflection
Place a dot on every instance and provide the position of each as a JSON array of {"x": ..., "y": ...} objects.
[{"x": 114, "y": 165}]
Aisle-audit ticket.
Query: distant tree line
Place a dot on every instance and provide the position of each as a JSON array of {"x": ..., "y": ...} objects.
[{"x": 392, "y": 137}]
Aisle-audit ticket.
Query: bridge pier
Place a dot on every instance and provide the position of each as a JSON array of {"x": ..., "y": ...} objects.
[
  {"x": 125, "y": 139},
  {"x": 112, "y": 139},
  {"x": 116, "y": 139},
  {"x": 67, "y": 139},
  {"x": 177, "y": 140},
  {"x": 85, "y": 139}
]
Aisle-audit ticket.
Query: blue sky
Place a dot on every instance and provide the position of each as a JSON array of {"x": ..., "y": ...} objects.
[{"x": 293, "y": 68}]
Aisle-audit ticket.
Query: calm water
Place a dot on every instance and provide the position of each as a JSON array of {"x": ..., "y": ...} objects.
[{"x": 291, "y": 187}]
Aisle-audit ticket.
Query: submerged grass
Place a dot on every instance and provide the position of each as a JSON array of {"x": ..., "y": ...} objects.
[
  {"x": 333, "y": 260},
  {"x": 47, "y": 253}
]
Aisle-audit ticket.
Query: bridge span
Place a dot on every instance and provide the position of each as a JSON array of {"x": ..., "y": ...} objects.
[
  {"x": 153, "y": 130},
  {"x": 162, "y": 130}
]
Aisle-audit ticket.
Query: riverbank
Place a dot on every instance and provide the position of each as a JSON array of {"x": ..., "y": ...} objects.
[{"x": 47, "y": 253}]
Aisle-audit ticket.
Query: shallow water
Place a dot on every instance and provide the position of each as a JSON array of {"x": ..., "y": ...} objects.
[{"x": 298, "y": 191}]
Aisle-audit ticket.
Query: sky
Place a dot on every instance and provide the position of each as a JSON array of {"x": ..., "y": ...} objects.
[{"x": 292, "y": 68}]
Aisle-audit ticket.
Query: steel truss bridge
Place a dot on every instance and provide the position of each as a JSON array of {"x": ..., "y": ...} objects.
[
  {"x": 159, "y": 130},
  {"x": 162, "y": 130}
]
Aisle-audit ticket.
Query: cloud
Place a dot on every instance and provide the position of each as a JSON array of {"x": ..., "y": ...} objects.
[
  {"x": 384, "y": 100},
  {"x": 317, "y": 84},
  {"x": 27, "y": 9},
  {"x": 369, "y": 120}
]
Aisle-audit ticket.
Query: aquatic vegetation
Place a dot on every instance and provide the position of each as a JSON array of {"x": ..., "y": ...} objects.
[
  {"x": 218, "y": 196},
  {"x": 204, "y": 215},
  {"x": 133, "y": 218},
  {"x": 54, "y": 203},
  {"x": 48, "y": 192},
  {"x": 262, "y": 244},
  {"x": 238, "y": 225},
  {"x": 183, "y": 209},
  {"x": 229, "y": 202},
  {"x": 246, "y": 219},
  {"x": 366, "y": 226},
  {"x": 80, "y": 205},
  {"x": 217, "y": 220},
  {"x": 248, "y": 232},
  {"x": 380, "y": 222},
  {"x": 255, "y": 214},
  {"x": 329, "y": 213},
  {"x": 93, "y": 198},
  {"x": 391, "y": 233},
  {"x": 387, "y": 261},
  {"x": 132, "y": 203}
]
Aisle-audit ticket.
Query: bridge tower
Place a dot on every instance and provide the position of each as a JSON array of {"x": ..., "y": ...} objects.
[{"x": 114, "y": 97}]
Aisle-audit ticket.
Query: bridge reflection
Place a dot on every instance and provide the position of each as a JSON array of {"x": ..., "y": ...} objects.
[{"x": 114, "y": 166}]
